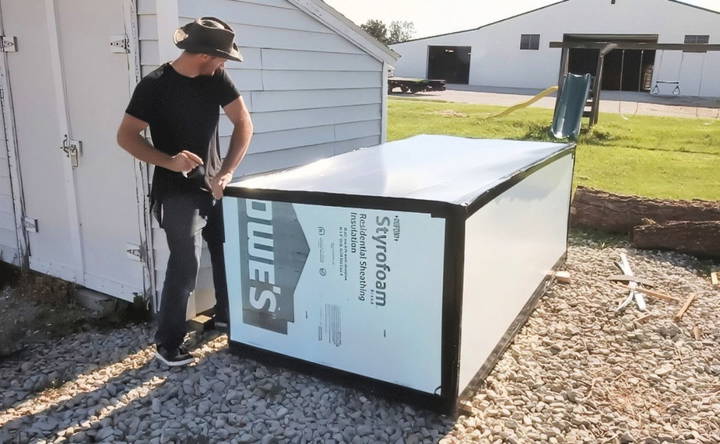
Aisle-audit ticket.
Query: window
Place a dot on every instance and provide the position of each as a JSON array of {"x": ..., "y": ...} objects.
[
  {"x": 530, "y": 41},
  {"x": 692, "y": 39}
]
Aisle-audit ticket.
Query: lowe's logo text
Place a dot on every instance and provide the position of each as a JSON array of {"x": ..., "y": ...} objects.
[
  {"x": 271, "y": 264},
  {"x": 264, "y": 293}
]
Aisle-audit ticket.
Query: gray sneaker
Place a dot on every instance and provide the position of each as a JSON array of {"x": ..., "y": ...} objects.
[
  {"x": 173, "y": 358},
  {"x": 221, "y": 321}
]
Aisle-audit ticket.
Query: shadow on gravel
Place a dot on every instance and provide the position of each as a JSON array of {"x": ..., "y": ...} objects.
[
  {"x": 87, "y": 410},
  {"x": 51, "y": 363},
  {"x": 222, "y": 397}
]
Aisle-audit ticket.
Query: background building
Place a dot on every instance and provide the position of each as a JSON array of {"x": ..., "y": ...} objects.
[{"x": 515, "y": 52}]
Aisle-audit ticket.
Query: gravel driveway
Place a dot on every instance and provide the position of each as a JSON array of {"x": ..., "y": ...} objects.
[{"x": 577, "y": 372}]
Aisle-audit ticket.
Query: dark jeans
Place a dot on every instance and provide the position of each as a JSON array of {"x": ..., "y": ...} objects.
[{"x": 185, "y": 217}]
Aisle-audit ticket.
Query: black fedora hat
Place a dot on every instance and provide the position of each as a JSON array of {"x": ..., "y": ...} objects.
[{"x": 208, "y": 35}]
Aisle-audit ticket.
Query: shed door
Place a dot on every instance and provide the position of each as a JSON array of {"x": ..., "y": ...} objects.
[{"x": 66, "y": 81}]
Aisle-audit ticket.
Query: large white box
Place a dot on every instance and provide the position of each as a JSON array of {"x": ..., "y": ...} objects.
[{"x": 406, "y": 267}]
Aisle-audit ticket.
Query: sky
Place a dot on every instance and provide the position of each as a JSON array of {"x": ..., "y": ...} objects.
[{"x": 438, "y": 17}]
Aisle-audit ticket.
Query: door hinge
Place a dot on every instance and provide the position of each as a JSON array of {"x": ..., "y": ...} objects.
[
  {"x": 72, "y": 149},
  {"x": 134, "y": 252},
  {"x": 120, "y": 44},
  {"x": 30, "y": 224},
  {"x": 8, "y": 43}
]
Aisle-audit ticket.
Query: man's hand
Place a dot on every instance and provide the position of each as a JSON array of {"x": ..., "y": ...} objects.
[
  {"x": 218, "y": 183},
  {"x": 183, "y": 162}
]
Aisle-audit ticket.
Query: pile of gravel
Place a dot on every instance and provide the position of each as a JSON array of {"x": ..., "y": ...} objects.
[{"x": 577, "y": 372}]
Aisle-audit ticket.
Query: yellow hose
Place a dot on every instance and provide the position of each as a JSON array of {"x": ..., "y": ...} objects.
[{"x": 525, "y": 104}]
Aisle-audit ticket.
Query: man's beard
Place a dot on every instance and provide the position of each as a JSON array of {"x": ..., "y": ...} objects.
[{"x": 206, "y": 71}]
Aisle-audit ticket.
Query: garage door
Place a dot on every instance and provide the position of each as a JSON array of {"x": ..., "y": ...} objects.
[{"x": 449, "y": 63}]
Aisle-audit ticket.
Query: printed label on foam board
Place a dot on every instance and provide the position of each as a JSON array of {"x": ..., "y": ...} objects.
[{"x": 354, "y": 289}]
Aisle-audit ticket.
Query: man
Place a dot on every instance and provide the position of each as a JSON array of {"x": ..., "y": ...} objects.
[{"x": 180, "y": 102}]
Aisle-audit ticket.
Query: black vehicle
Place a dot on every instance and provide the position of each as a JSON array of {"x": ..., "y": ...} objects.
[{"x": 410, "y": 85}]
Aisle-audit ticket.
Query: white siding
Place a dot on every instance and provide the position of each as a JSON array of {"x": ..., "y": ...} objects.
[
  {"x": 266, "y": 122},
  {"x": 280, "y": 16},
  {"x": 147, "y": 29},
  {"x": 8, "y": 232},
  {"x": 146, "y": 7},
  {"x": 6, "y": 203},
  {"x": 310, "y": 91},
  {"x": 316, "y": 61},
  {"x": 7, "y": 219},
  {"x": 147, "y": 69},
  {"x": 8, "y": 240},
  {"x": 8, "y": 254},
  {"x": 269, "y": 101},
  {"x": 149, "y": 61},
  {"x": 279, "y": 159},
  {"x": 497, "y": 60}
]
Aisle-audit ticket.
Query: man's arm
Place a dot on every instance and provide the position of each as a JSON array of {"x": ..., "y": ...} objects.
[
  {"x": 239, "y": 142},
  {"x": 129, "y": 138}
]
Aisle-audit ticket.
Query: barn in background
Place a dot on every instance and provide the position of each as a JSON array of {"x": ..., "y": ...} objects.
[{"x": 515, "y": 52}]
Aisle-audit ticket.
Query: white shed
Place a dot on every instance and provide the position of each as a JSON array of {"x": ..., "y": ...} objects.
[
  {"x": 74, "y": 205},
  {"x": 515, "y": 52}
]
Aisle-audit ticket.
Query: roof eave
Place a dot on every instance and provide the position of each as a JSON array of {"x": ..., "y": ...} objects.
[
  {"x": 695, "y": 6},
  {"x": 333, "y": 19}
]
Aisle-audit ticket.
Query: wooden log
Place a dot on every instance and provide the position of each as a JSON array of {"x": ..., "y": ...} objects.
[
  {"x": 659, "y": 295},
  {"x": 653, "y": 293},
  {"x": 619, "y": 214},
  {"x": 645, "y": 318},
  {"x": 696, "y": 238},
  {"x": 628, "y": 278},
  {"x": 684, "y": 308}
]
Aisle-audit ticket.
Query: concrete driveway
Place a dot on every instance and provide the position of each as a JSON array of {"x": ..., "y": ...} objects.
[{"x": 630, "y": 103}]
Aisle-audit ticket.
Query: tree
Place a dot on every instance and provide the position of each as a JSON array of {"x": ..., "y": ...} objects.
[
  {"x": 377, "y": 29},
  {"x": 398, "y": 31}
]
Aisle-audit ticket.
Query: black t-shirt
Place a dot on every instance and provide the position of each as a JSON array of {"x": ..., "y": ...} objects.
[{"x": 182, "y": 113}]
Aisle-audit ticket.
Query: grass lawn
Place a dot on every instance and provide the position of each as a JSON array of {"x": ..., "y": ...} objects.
[{"x": 664, "y": 157}]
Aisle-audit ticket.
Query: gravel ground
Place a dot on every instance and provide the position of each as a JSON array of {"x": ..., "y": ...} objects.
[{"x": 577, "y": 372}]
